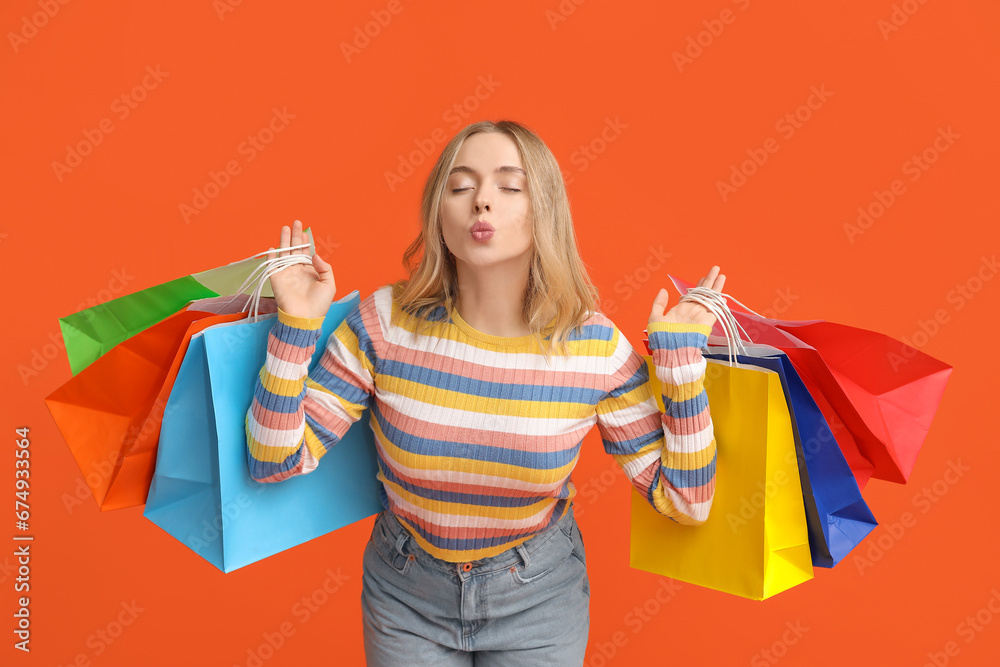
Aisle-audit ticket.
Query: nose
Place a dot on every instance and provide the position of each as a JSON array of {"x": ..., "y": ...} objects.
[{"x": 480, "y": 202}]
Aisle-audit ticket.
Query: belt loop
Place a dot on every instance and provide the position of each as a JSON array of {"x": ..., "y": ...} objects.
[
  {"x": 524, "y": 553},
  {"x": 401, "y": 540}
]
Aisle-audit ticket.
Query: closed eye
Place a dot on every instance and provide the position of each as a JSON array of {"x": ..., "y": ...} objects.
[{"x": 457, "y": 190}]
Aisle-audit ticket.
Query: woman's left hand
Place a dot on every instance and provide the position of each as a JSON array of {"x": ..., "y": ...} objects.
[{"x": 688, "y": 312}]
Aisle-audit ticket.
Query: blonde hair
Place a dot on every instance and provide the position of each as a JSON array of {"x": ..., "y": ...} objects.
[{"x": 559, "y": 295}]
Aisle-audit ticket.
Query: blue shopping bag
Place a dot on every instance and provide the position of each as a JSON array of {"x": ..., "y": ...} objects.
[
  {"x": 837, "y": 516},
  {"x": 202, "y": 492}
]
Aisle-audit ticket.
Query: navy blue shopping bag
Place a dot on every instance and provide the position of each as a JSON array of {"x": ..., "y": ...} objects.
[{"x": 837, "y": 515}]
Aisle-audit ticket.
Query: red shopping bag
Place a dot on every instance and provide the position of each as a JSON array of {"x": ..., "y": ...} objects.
[{"x": 878, "y": 394}]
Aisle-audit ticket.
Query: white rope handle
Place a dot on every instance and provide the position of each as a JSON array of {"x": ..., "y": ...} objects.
[
  {"x": 717, "y": 305},
  {"x": 262, "y": 273},
  {"x": 251, "y": 278},
  {"x": 273, "y": 266}
]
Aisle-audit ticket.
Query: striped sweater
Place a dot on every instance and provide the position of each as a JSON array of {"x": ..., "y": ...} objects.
[{"x": 476, "y": 435}]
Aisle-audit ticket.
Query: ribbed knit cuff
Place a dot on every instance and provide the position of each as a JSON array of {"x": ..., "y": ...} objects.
[
  {"x": 679, "y": 327},
  {"x": 675, "y": 344},
  {"x": 300, "y": 322},
  {"x": 300, "y": 334}
]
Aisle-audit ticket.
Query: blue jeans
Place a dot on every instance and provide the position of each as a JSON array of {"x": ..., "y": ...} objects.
[{"x": 529, "y": 605}]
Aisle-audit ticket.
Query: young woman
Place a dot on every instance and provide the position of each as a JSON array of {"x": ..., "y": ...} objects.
[{"x": 483, "y": 372}]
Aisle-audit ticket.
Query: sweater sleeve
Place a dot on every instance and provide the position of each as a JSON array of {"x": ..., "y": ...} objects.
[
  {"x": 296, "y": 416},
  {"x": 668, "y": 456}
]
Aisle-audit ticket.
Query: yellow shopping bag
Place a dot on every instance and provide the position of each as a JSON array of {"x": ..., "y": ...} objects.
[{"x": 755, "y": 542}]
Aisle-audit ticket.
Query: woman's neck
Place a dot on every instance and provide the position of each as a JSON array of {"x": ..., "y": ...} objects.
[{"x": 491, "y": 299}]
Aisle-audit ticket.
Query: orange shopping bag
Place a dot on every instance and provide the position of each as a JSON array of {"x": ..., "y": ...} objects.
[{"x": 110, "y": 412}]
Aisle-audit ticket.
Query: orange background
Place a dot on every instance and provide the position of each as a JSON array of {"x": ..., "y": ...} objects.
[{"x": 113, "y": 225}]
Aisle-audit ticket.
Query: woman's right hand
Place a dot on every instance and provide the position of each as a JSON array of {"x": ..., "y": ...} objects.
[{"x": 302, "y": 290}]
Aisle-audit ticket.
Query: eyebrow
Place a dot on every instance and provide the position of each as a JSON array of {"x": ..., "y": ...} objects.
[{"x": 499, "y": 170}]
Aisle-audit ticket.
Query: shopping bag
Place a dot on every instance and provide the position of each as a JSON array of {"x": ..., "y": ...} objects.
[
  {"x": 861, "y": 467},
  {"x": 202, "y": 493},
  {"x": 883, "y": 391},
  {"x": 109, "y": 414},
  {"x": 838, "y": 517},
  {"x": 755, "y": 542},
  {"x": 92, "y": 332}
]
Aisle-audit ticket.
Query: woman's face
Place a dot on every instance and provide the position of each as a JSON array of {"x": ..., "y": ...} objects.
[{"x": 488, "y": 184}]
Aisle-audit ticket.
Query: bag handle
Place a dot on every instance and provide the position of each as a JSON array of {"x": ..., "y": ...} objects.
[
  {"x": 262, "y": 273},
  {"x": 718, "y": 306}
]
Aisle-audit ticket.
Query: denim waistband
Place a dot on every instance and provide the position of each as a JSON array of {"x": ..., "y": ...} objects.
[{"x": 402, "y": 540}]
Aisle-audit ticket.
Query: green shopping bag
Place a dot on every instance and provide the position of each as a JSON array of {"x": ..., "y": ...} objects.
[{"x": 90, "y": 333}]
